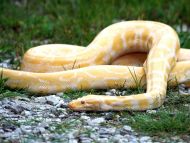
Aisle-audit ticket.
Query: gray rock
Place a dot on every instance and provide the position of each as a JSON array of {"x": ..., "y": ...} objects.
[
  {"x": 6, "y": 63},
  {"x": 5, "y": 101},
  {"x": 107, "y": 131},
  {"x": 73, "y": 141},
  {"x": 130, "y": 137},
  {"x": 2, "y": 111},
  {"x": 96, "y": 121},
  {"x": 26, "y": 129},
  {"x": 12, "y": 135},
  {"x": 85, "y": 139},
  {"x": 123, "y": 93},
  {"x": 109, "y": 93},
  {"x": 124, "y": 140},
  {"x": 113, "y": 91},
  {"x": 62, "y": 116},
  {"x": 23, "y": 98},
  {"x": 14, "y": 108},
  {"x": 102, "y": 140},
  {"x": 26, "y": 113},
  {"x": 40, "y": 100},
  {"x": 182, "y": 86},
  {"x": 53, "y": 100},
  {"x": 183, "y": 92},
  {"x": 127, "y": 128},
  {"x": 62, "y": 104},
  {"x": 1, "y": 131},
  {"x": 39, "y": 130},
  {"x": 93, "y": 135},
  {"x": 73, "y": 134},
  {"x": 151, "y": 111},
  {"x": 117, "y": 138},
  {"x": 145, "y": 139},
  {"x": 44, "y": 124},
  {"x": 85, "y": 117},
  {"x": 51, "y": 115}
]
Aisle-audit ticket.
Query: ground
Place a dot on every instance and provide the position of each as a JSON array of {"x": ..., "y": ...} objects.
[{"x": 25, "y": 117}]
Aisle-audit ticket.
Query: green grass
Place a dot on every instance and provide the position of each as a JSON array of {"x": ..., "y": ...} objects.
[
  {"x": 25, "y": 24},
  {"x": 170, "y": 119}
]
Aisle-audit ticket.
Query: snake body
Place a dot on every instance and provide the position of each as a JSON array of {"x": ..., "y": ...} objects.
[{"x": 88, "y": 68}]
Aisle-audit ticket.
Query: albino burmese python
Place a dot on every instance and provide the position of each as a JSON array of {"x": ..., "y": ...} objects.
[{"x": 115, "y": 44}]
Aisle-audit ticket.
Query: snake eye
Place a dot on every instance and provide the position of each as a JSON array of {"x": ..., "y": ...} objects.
[{"x": 82, "y": 102}]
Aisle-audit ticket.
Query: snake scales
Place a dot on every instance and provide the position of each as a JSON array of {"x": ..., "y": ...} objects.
[{"x": 55, "y": 67}]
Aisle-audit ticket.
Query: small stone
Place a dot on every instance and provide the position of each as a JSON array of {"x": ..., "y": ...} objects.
[
  {"x": 189, "y": 90},
  {"x": 5, "y": 101},
  {"x": 14, "y": 108},
  {"x": 5, "y": 63},
  {"x": 96, "y": 121},
  {"x": 73, "y": 141},
  {"x": 51, "y": 115},
  {"x": 127, "y": 128},
  {"x": 8, "y": 127},
  {"x": 145, "y": 139},
  {"x": 40, "y": 100},
  {"x": 39, "y": 130},
  {"x": 107, "y": 131},
  {"x": 123, "y": 93},
  {"x": 61, "y": 110},
  {"x": 186, "y": 105},
  {"x": 102, "y": 140},
  {"x": 151, "y": 111},
  {"x": 56, "y": 120},
  {"x": 44, "y": 124},
  {"x": 73, "y": 134},
  {"x": 93, "y": 135},
  {"x": 12, "y": 135},
  {"x": 113, "y": 91},
  {"x": 61, "y": 104},
  {"x": 117, "y": 138},
  {"x": 2, "y": 111},
  {"x": 1, "y": 131},
  {"x": 183, "y": 92},
  {"x": 26, "y": 129},
  {"x": 62, "y": 116},
  {"x": 23, "y": 98},
  {"x": 26, "y": 113},
  {"x": 109, "y": 93},
  {"x": 53, "y": 100},
  {"x": 85, "y": 117}
]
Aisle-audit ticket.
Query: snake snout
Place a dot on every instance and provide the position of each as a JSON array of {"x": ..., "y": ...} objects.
[{"x": 71, "y": 105}]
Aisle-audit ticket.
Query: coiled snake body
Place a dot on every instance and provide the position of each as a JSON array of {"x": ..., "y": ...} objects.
[{"x": 88, "y": 67}]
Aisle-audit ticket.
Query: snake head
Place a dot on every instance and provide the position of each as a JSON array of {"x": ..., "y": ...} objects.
[{"x": 86, "y": 103}]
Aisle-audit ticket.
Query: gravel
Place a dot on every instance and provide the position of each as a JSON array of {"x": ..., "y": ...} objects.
[
  {"x": 32, "y": 120},
  {"x": 38, "y": 119}
]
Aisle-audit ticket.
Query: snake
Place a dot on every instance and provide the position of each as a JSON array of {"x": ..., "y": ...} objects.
[{"x": 147, "y": 50}]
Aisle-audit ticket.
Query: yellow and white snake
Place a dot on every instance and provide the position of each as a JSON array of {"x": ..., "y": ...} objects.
[{"x": 57, "y": 67}]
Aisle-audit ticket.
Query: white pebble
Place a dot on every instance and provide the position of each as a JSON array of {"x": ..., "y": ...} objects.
[
  {"x": 151, "y": 111},
  {"x": 127, "y": 128},
  {"x": 53, "y": 100},
  {"x": 95, "y": 122}
]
